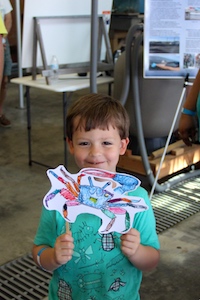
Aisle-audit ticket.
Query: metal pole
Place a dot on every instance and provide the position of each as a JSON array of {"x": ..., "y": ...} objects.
[
  {"x": 94, "y": 46},
  {"x": 19, "y": 51},
  {"x": 180, "y": 103}
]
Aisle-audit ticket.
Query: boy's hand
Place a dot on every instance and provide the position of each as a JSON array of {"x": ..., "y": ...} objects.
[
  {"x": 187, "y": 129},
  {"x": 63, "y": 248},
  {"x": 145, "y": 258},
  {"x": 130, "y": 242}
]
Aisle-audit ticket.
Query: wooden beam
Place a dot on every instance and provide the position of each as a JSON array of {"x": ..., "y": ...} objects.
[{"x": 178, "y": 159}]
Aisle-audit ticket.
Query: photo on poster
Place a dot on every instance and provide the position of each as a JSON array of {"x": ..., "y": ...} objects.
[
  {"x": 192, "y": 13},
  {"x": 164, "y": 62},
  {"x": 164, "y": 45}
]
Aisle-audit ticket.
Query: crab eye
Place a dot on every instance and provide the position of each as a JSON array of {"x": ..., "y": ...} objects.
[{"x": 106, "y": 195}]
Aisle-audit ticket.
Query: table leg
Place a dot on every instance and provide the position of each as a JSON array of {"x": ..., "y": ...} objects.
[
  {"x": 29, "y": 124},
  {"x": 66, "y": 100},
  {"x": 110, "y": 89}
]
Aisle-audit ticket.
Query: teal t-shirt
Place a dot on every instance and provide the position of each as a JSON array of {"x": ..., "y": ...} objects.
[{"x": 98, "y": 269}]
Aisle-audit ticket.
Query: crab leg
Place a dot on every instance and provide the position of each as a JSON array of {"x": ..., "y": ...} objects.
[
  {"x": 51, "y": 196},
  {"x": 123, "y": 200},
  {"x": 76, "y": 185},
  {"x": 67, "y": 184}
]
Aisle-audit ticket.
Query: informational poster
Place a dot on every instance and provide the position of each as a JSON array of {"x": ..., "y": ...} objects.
[{"x": 171, "y": 38}]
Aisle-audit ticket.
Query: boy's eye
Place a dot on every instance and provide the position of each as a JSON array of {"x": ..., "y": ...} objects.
[
  {"x": 107, "y": 143},
  {"x": 83, "y": 143}
]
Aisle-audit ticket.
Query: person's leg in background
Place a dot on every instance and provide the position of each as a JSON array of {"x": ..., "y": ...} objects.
[{"x": 4, "y": 122}]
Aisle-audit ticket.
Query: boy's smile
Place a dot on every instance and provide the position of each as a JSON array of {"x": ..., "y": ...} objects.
[{"x": 97, "y": 148}]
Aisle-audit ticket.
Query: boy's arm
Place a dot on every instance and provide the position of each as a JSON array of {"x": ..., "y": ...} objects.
[
  {"x": 187, "y": 124},
  {"x": 49, "y": 258},
  {"x": 191, "y": 99},
  {"x": 145, "y": 258},
  {"x": 46, "y": 257}
]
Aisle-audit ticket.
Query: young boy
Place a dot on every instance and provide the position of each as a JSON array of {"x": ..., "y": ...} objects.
[{"x": 85, "y": 264}]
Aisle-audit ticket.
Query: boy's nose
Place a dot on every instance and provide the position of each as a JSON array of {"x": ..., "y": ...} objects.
[{"x": 94, "y": 150}]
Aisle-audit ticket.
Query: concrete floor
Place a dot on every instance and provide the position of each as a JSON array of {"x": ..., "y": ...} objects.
[{"x": 22, "y": 188}]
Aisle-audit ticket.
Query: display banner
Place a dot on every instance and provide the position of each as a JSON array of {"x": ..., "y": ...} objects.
[{"x": 171, "y": 38}]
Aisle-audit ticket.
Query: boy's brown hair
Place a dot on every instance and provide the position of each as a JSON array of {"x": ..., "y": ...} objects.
[{"x": 97, "y": 111}]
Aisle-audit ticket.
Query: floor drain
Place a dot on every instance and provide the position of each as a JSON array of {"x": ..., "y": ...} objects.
[
  {"x": 22, "y": 279},
  {"x": 176, "y": 204}
]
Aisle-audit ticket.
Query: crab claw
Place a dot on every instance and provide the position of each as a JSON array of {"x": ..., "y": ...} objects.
[{"x": 98, "y": 172}]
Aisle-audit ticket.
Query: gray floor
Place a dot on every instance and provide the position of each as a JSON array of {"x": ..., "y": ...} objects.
[{"x": 22, "y": 187}]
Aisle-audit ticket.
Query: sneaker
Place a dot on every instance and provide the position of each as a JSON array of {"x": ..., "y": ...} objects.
[{"x": 4, "y": 122}]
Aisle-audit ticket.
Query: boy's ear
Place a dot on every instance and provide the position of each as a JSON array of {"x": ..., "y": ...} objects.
[
  {"x": 124, "y": 144},
  {"x": 70, "y": 146}
]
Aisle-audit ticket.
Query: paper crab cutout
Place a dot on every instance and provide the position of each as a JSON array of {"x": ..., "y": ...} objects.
[{"x": 97, "y": 192}]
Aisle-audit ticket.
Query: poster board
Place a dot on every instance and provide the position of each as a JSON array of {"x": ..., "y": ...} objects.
[
  {"x": 171, "y": 38},
  {"x": 70, "y": 42}
]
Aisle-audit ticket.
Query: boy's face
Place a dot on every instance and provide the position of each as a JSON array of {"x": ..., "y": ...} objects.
[{"x": 97, "y": 148}]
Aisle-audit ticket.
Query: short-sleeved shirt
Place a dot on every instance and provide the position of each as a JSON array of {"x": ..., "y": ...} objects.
[
  {"x": 98, "y": 268},
  {"x": 5, "y": 7}
]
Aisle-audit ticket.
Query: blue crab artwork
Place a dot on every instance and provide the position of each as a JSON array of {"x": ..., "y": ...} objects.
[{"x": 97, "y": 192}]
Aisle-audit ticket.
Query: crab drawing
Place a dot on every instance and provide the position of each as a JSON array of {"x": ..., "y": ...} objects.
[{"x": 95, "y": 191}]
